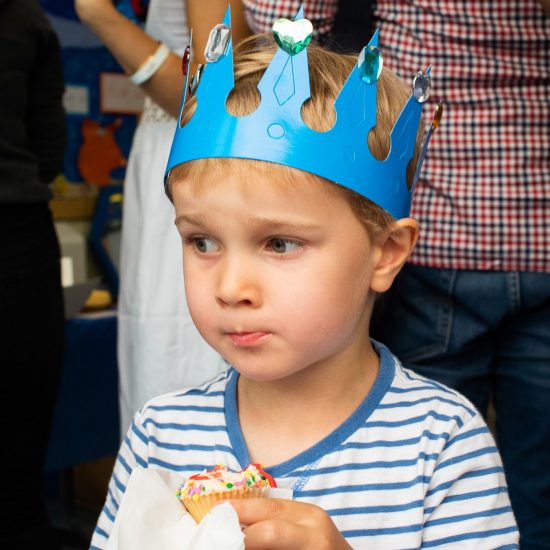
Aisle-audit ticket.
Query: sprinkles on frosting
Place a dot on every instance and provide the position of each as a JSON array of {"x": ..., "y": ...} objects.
[{"x": 221, "y": 479}]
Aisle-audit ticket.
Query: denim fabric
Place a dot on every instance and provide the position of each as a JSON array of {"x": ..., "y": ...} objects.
[{"x": 486, "y": 334}]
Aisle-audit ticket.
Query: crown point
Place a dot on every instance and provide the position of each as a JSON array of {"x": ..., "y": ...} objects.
[
  {"x": 300, "y": 14},
  {"x": 185, "y": 60},
  {"x": 374, "y": 39},
  {"x": 227, "y": 16}
]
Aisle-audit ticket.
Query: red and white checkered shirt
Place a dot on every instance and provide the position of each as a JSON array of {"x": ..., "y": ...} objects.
[
  {"x": 261, "y": 14},
  {"x": 483, "y": 200}
]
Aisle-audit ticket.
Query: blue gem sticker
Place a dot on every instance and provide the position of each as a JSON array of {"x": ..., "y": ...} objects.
[{"x": 370, "y": 64}]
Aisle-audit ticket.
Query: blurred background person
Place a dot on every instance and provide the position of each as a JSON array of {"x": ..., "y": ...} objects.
[
  {"x": 472, "y": 308},
  {"x": 158, "y": 346},
  {"x": 32, "y": 146}
]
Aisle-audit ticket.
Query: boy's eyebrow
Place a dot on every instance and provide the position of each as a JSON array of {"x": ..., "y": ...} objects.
[
  {"x": 273, "y": 223},
  {"x": 196, "y": 219},
  {"x": 270, "y": 223}
]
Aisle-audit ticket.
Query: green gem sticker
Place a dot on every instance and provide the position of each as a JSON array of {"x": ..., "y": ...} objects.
[{"x": 292, "y": 36}]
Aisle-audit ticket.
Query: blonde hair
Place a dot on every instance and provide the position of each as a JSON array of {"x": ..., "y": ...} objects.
[{"x": 328, "y": 72}]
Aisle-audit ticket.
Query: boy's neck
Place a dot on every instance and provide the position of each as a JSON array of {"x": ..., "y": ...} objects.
[{"x": 283, "y": 418}]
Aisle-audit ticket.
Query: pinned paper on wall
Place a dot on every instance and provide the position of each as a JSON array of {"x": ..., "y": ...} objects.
[
  {"x": 76, "y": 100},
  {"x": 119, "y": 95}
]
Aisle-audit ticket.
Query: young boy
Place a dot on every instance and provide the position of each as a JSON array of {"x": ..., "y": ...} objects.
[{"x": 282, "y": 267}]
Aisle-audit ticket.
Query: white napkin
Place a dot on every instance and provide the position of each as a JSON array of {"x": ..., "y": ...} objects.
[{"x": 151, "y": 517}]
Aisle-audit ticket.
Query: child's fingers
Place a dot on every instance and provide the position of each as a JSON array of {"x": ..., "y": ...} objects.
[
  {"x": 277, "y": 535},
  {"x": 253, "y": 510},
  {"x": 280, "y": 524}
]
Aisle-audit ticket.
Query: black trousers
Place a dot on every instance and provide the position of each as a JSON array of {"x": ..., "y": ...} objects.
[{"x": 31, "y": 355}]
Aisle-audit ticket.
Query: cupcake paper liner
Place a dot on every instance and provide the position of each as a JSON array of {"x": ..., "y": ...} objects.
[{"x": 200, "y": 507}]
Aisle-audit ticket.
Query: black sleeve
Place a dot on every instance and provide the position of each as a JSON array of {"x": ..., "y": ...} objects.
[
  {"x": 353, "y": 26},
  {"x": 46, "y": 116}
]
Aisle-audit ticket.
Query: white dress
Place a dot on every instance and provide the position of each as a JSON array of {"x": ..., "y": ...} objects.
[{"x": 159, "y": 349}]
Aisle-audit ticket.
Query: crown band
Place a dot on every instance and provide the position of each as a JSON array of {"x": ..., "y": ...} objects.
[{"x": 275, "y": 131}]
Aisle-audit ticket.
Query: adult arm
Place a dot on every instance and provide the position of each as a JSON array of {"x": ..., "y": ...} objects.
[
  {"x": 546, "y": 5},
  {"x": 131, "y": 46},
  {"x": 202, "y": 15}
]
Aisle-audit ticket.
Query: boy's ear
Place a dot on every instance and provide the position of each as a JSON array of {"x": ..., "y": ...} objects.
[{"x": 395, "y": 246}]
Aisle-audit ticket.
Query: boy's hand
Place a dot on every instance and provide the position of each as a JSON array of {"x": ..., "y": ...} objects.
[{"x": 278, "y": 524}]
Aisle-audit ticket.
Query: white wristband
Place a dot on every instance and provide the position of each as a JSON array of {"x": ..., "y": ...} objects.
[{"x": 151, "y": 65}]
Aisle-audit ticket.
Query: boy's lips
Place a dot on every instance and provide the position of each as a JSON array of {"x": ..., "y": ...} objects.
[{"x": 247, "y": 339}]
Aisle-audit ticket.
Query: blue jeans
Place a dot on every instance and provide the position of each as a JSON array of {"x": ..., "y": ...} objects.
[{"x": 486, "y": 334}]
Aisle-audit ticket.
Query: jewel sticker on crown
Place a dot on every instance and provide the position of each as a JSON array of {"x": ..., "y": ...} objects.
[
  {"x": 185, "y": 64},
  {"x": 422, "y": 86},
  {"x": 275, "y": 131},
  {"x": 438, "y": 113},
  {"x": 370, "y": 64},
  {"x": 185, "y": 60},
  {"x": 217, "y": 42},
  {"x": 292, "y": 36}
]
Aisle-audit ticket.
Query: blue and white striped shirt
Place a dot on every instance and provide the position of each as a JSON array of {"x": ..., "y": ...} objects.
[{"x": 414, "y": 466}]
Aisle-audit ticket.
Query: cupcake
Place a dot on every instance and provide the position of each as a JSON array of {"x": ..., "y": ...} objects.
[{"x": 202, "y": 491}]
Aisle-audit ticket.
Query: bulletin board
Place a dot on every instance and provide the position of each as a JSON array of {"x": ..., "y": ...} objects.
[{"x": 96, "y": 90}]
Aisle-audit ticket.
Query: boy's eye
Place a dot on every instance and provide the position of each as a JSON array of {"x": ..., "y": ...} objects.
[
  {"x": 205, "y": 245},
  {"x": 283, "y": 246}
]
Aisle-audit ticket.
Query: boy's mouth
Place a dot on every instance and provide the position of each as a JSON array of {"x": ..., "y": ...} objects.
[{"x": 247, "y": 339}]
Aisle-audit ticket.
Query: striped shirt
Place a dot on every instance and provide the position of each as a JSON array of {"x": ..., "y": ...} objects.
[
  {"x": 483, "y": 200},
  {"x": 414, "y": 466}
]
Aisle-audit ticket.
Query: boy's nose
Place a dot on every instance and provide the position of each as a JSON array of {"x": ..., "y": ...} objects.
[{"x": 237, "y": 285}]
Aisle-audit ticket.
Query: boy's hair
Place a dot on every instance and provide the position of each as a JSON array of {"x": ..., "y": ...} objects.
[{"x": 328, "y": 72}]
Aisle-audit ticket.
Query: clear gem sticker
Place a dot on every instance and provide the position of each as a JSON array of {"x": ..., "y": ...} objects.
[
  {"x": 217, "y": 43},
  {"x": 422, "y": 86}
]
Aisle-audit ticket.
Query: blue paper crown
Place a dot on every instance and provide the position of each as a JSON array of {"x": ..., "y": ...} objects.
[{"x": 275, "y": 131}]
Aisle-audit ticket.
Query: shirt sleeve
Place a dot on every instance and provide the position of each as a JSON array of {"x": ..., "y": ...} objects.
[
  {"x": 467, "y": 501},
  {"x": 133, "y": 453}
]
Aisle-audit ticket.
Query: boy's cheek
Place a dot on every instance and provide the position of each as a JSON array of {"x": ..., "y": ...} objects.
[
  {"x": 197, "y": 301},
  {"x": 202, "y": 321}
]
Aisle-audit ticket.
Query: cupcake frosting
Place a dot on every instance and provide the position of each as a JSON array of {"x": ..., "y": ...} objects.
[{"x": 220, "y": 479}]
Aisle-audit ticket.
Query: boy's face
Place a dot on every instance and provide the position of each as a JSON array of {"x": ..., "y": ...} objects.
[{"x": 277, "y": 278}]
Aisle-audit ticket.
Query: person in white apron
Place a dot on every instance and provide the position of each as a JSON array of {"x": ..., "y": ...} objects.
[{"x": 159, "y": 349}]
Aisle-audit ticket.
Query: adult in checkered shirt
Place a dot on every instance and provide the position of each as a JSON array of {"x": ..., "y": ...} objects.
[{"x": 472, "y": 308}]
